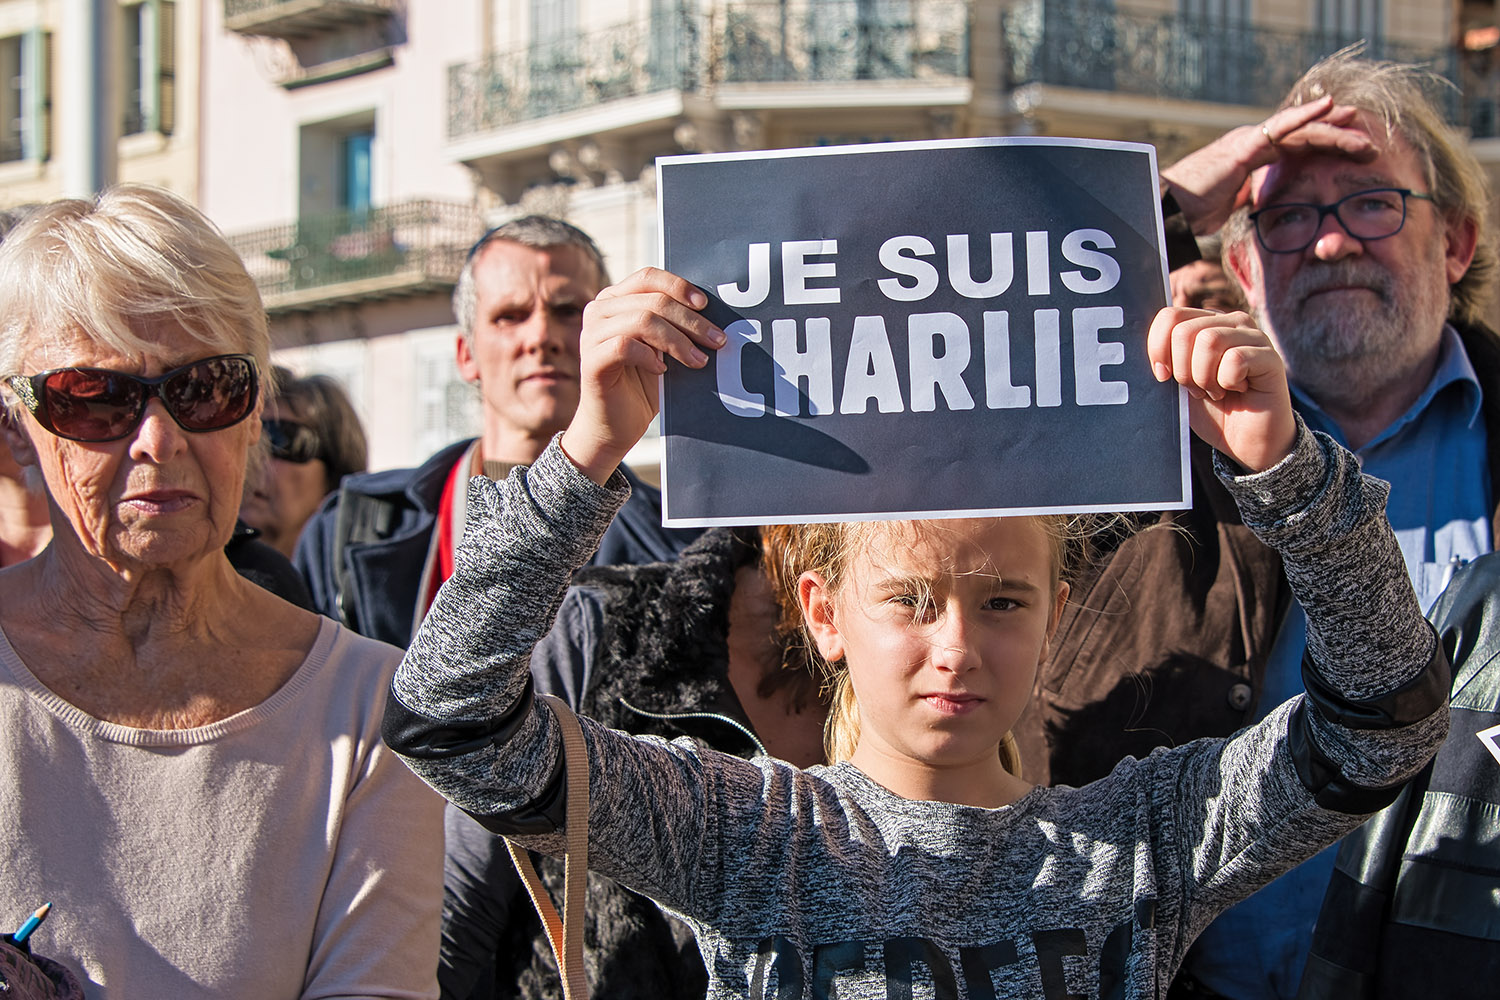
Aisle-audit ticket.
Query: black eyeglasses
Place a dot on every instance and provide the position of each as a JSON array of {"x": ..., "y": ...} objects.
[
  {"x": 101, "y": 404},
  {"x": 292, "y": 442},
  {"x": 1365, "y": 215}
]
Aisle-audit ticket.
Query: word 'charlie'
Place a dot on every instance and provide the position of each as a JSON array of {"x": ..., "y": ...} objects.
[{"x": 870, "y": 371}]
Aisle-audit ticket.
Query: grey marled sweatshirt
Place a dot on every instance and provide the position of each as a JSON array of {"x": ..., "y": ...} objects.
[{"x": 819, "y": 883}]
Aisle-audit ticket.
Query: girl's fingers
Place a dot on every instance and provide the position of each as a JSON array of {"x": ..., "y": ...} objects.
[
  {"x": 1192, "y": 347},
  {"x": 657, "y": 309},
  {"x": 649, "y": 279},
  {"x": 1170, "y": 344},
  {"x": 1230, "y": 360},
  {"x": 1243, "y": 368},
  {"x": 667, "y": 329}
]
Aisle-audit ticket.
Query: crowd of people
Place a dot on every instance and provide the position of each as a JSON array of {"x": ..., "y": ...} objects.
[{"x": 269, "y": 719}]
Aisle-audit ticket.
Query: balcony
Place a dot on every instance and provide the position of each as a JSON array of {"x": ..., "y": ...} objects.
[
  {"x": 843, "y": 42},
  {"x": 1481, "y": 95},
  {"x": 294, "y": 19},
  {"x": 694, "y": 52},
  {"x": 1093, "y": 45},
  {"x": 408, "y": 248}
]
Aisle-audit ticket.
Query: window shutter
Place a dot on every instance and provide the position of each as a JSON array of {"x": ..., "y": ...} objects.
[
  {"x": 167, "y": 70},
  {"x": 36, "y": 112}
]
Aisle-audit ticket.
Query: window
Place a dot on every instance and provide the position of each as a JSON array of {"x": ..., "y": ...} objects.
[
  {"x": 1220, "y": 52},
  {"x": 446, "y": 408},
  {"x": 860, "y": 39},
  {"x": 148, "y": 30},
  {"x": 25, "y": 101},
  {"x": 553, "y": 22},
  {"x": 1351, "y": 20},
  {"x": 554, "y": 62},
  {"x": 1216, "y": 11},
  {"x": 354, "y": 156},
  {"x": 336, "y": 167}
]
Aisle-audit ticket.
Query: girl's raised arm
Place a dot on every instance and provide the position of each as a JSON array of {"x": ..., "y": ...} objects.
[
  {"x": 461, "y": 712},
  {"x": 627, "y": 333}
]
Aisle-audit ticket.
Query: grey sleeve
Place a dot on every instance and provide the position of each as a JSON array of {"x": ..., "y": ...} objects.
[
  {"x": 1242, "y": 811},
  {"x": 461, "y": 712},
  {"x": 563, "y": 662},
  {"x": 1377, "y": 681},
  {"x": 463, "y": 717}
]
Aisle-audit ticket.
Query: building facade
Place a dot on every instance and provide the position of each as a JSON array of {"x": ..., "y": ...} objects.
[
  {"x": 353, "y": 149},
  {"x": 323, "y": 160},
  {"x": 152, "y": 115}
]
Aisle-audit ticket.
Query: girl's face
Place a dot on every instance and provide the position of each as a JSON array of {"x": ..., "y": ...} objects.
[{"x": 942, "y": 625}]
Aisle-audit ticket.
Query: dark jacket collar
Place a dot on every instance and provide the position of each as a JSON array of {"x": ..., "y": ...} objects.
[
  {"x": 665, "y": 639},
  {"x": 421, "y": 487}
]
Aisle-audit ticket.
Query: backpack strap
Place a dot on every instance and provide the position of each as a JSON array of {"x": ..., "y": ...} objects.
[
  {"x": 565, "y": 934},
  {"x": 361, "y": 518}
]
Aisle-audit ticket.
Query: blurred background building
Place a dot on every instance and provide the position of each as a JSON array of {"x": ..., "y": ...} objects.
[{"x": 353, "y": 149}]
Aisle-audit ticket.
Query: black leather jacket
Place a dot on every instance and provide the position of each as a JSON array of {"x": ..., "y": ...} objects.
[{"x": 1413, "y": 908}]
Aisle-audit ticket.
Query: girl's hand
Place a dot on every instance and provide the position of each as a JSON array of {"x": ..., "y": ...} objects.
[
  {"x": 628, "y": 331},
  {"x": 1210, "y": 183},
  {"x": 1240, "y": 402}
]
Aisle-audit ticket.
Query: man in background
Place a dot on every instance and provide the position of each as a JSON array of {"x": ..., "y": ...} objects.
[
  {"x": 1355, "y": 221},
  {"x": 378, "y": 549}
]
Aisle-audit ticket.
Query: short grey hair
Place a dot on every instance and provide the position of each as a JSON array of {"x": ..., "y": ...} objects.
[
  {"x": 133, "y": 252},
  {"x": 540, "y": 232}
]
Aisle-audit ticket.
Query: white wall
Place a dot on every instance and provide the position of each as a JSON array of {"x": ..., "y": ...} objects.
[{"x": 251, "y": 123}]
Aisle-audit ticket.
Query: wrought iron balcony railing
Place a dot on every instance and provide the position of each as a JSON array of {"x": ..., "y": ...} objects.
[
  {"x": 843, "y": 41},
  {"x": 1095, "y": 45},
  {"x": 748, "y": 41},
  {"x": 401, "y": 248},
  {"x": 1088, "y": 44}
]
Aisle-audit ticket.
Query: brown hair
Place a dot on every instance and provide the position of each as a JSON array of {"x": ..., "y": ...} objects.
[
  {"x": 789, "y": 550},
  {"x": 322, "y": 404}
]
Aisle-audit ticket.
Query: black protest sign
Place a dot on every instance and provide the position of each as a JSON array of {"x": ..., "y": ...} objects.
[{"x": 920, "y": 330}]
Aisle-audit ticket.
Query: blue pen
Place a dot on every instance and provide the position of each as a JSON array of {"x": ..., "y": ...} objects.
[{"x": 32, "y": 923}]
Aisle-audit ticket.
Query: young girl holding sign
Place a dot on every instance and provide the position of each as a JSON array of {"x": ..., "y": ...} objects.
[{"x": 921, "y": 866}]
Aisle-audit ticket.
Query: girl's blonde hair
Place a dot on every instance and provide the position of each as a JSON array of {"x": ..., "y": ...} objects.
[{"x": 789, "y": 550}]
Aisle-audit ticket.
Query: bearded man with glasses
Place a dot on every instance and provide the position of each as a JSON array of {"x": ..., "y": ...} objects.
[{"x": 1355, "y": 220}]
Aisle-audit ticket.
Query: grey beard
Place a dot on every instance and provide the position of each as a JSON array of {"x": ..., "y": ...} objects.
[
  {"x": 1321, "y": 333},
  {"x": 1346, "y": 351}
]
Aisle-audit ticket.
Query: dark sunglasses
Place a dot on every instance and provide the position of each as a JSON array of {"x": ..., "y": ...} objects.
[
  {"x": 101, "y": 404},
  {"x": 292, "y": 442}
]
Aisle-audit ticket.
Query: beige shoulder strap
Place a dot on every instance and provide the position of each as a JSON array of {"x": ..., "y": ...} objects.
[{"x": 566, "y": 934}]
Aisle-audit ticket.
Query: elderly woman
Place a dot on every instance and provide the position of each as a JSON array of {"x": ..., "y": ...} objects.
[
  {"x": 193, "y": 769},
  {"x": 314, "y": 439}
]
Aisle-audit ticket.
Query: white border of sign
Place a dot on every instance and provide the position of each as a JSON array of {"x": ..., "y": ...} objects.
[{"x": 1184, "y": 432}]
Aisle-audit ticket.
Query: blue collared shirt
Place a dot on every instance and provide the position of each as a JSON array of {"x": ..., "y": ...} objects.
[{"x": 1434, "y": 456}]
